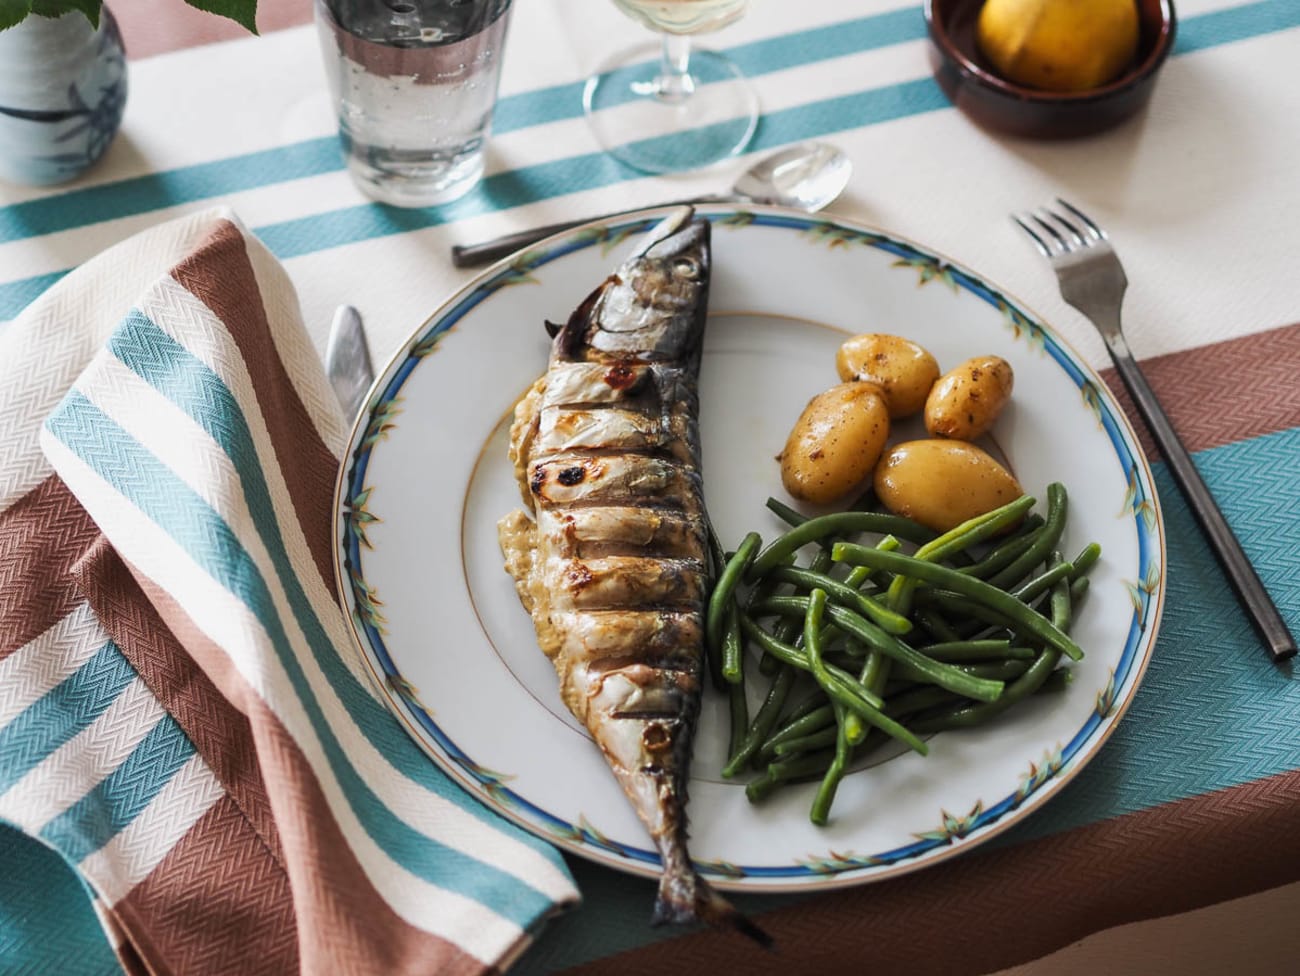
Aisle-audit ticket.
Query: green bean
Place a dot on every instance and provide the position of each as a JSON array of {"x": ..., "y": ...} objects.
[
  {"x": 797, "y": 727},
  {"x": 777, "y": 773},
  {"x": 967, "y": 609},
  {"x": 840, "y": 686},
  {"x": 738, "y": 711},
  {"x": 785, "y": 513},
  {"x": 1061, "y": 605},
  {"x": 1005, "y": 670},
  {"x": 812, "y": 702},
  {"x": 1043, "y": 582},
  {"x": 976, "y": 650},
  {"x": 845, "y": 594},
  {"x": 919, "y": 698},
  {"x": 874, "y": 676},
  {"x": 768, "y": 666},
  {"x": 764, "y": 720},
  {"x": 845, "y": 733},
  {"x": 789, "y": 630},
  {"x": 931, "y": 620},
  {"x": 812, "y": 638},
  {"x": 732, "y": 651},
  {"x": 1033, "y": 622},
  {"x": 1057, "y": 507},
  {"x": 820, "y": 739},
  {"x": 733, "y": 648},
  {"x": 713, "y": 653},
  {"x": 837, "y": 523},
  {"x": 959, "y": 539},
  {"x": 1078, "y": 588},
  {"x": 821, "y": 806},
  {"x": 1022, "y": 687},
  {"x": 1008, "y": 549},
  {"x": 841, "y": 681},
  {"x": 723, "y": 591},
  {"x": 938, "y": 673},
  {"x": 1083, "y": 562},
  {"x": 1057, "y": 681}
]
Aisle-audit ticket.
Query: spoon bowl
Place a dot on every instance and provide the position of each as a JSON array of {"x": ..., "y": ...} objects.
[{"x": 807, "y": 177}]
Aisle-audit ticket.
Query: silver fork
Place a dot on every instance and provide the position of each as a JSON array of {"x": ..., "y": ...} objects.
[{"x": 1093, "y": 281}]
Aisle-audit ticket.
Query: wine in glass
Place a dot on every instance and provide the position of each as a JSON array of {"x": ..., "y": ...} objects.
[{"x": 669, "y": 107}]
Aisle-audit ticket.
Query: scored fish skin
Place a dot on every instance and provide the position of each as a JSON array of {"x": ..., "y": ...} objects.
[{"x": 613, "y": 564}]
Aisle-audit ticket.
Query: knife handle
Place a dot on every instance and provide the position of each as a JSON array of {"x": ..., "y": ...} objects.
[
  {"x": 475, "y": 255},
  {"x": 485, "y": 252}
]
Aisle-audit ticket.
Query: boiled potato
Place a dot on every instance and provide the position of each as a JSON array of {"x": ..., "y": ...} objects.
[
  {"x": 903, "y": 370},
  {"x": 966, "y": 400},
  {"x": 835, "y": 443},
  {"x": 942, "y": 483}
]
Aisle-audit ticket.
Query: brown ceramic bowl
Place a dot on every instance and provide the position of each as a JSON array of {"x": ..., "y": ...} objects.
[{"x": 971, "y": 84}]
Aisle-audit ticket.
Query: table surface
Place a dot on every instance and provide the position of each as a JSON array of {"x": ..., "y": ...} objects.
[{"x": 1193, "y": 799}]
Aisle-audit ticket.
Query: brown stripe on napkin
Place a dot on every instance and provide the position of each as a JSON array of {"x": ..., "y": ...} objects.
[
  {"x": 344, "y": 924},
  {"x": 219, "y": 731},
  {"x": 42, "y": 535},
  {"x": 988, "y": 910},
  {"x": 217, "y": 903},
  {"x": 1249, "y": 384},
  {"x": 219, "y": 274}
]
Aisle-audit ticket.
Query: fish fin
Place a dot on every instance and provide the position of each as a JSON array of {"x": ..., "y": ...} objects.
[
  {"x": 567, "y": 338},
  {"x": 686, "y": 897}
]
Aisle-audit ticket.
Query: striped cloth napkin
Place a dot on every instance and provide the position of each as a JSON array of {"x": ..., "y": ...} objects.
[{"x": 181, "y": 714}]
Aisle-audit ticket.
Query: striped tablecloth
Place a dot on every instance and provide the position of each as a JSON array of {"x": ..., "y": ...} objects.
[{"x": 1195, "y": 800}]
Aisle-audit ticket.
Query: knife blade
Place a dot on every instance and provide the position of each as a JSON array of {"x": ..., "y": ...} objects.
[{"x": 347, "y": 360}]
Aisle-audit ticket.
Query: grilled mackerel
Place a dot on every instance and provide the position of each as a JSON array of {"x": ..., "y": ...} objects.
[{"x": 612, "y": 563}]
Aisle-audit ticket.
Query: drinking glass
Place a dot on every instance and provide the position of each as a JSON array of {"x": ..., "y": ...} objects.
[
  {"x": 414, "y": 85},
  {"x": 668, "y": 107}
]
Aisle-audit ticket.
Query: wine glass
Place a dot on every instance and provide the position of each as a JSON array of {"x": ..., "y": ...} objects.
[{"x": 664, "y": 108}]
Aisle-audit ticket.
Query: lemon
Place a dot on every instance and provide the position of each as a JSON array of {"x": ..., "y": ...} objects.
[{"x": 1058, "y": 45}]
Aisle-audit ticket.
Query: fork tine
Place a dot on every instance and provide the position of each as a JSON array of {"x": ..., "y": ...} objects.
[
  {"x": 1087, "y": 221},
  {"x": 1076, "y": 238},
  {"x": 1056, "y": 234},
  {"x": 1038, "y": 241}
]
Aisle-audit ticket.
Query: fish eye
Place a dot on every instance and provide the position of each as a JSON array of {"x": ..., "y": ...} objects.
[{"x": 686, "y": 268}]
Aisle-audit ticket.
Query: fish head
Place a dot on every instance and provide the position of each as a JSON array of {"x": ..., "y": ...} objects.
[{"x": 653, "y": 308}]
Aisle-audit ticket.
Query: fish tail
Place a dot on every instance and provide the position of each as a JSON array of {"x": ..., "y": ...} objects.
[{"x": 685, "y": 897}]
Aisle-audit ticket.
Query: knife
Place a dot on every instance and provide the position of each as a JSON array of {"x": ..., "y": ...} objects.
[{"x": 347, "y": 361}]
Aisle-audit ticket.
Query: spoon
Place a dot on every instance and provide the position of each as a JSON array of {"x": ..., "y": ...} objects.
[{"x": 806, "y": 177}]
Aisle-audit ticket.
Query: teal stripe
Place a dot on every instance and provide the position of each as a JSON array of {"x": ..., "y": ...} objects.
[
  {"x": 1236, "y": 24},
  {"x": 58, "y": 715},
  {"x": 46, "y": 922},
  {"x": 153, "y": 488},
  {"x": 207, "y": 180},
  {"x": 17, "y": 295},
  {"x": 156, "y": 191},
  {"x": 109, "y": 808}
]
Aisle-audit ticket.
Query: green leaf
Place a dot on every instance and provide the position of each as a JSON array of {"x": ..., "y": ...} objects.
[
  {"x": 13, "y": 12},
  {"x": 57, "y": 8},
  {"x": 242, "y": 12}
]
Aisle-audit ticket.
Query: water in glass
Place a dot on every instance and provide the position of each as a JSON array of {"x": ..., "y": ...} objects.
[{"x": 415, "y": 84}]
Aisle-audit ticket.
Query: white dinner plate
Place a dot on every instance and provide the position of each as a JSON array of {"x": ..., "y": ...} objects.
[{"x": 438, "y": 622}]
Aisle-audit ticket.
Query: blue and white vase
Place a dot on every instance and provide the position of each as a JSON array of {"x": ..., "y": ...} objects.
[{"x": 62, "y": 92}]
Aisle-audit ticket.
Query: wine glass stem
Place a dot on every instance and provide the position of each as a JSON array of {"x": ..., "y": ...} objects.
[{"x": 675, "y": 83}]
